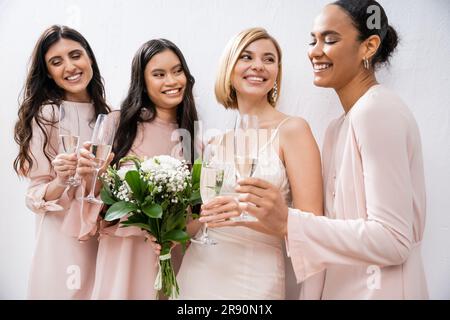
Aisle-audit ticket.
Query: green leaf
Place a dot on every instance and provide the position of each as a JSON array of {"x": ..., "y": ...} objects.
[
  {"x": 165, "y": 204},
  {"x": 136, "y": 160},
  {"x": 174, "y": 221},
  {"x": 196, "y": 171},
  {"x": 180, "y": 222},
  {"x": 134, "y": 181},
  {"x": 137, "y": 218},
  {"x": 176, "y": 235},
  {"x": 154, "y": 226},
  {"x": 144, "y": 187},
  {"x": 153, "y": 210},
  {"x": 136, "y": 224},
  {"x": 106, "y": 196},
  {"x": 119, "y": 210},
  {"x": 195, "y": 198}
]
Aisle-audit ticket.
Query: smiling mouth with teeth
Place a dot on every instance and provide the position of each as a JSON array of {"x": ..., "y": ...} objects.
[
  {"x": 255, "y": 79},
  {"x": 74, "y": 77},
  {"x": 172, "y": 91},
  {"x": 319, "y": 67}
]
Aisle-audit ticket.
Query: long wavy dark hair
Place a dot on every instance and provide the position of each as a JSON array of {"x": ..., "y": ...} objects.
[
  {"x": 40, "y": 90},
  {"x": 138, "y": 99}
]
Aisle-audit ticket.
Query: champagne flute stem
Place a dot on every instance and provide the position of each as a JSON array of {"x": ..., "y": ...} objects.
[
  {"x": 94, "y": 180},
  {"x": 205, "y": 230}
]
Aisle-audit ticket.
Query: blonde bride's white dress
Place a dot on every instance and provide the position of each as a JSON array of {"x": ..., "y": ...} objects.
[{"x": 245, "y": 264}]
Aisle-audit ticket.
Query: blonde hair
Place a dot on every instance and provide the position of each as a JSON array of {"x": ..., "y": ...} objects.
[{"x": 225, "y": 93}]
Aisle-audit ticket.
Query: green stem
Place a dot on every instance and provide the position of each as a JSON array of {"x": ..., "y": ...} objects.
[{"x": 169, "y": 281}]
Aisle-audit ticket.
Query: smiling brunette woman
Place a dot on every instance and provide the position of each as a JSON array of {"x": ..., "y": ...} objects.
[
  {"x": 63, "y": 72},
  {"x": 158, "y": 103}
]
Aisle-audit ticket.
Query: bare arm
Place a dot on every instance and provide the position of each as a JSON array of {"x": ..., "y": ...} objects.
[{"x": 302, "y": 161}]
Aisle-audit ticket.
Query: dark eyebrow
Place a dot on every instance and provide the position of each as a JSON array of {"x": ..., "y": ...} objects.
[
  {"x": 326, "y": 33},
  {"x": 75, "y": 51},
  {"x": 177, "y": 66},
  {"x": 162, "y": 70}
]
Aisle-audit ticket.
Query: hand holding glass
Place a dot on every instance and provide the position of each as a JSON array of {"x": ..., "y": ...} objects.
[
  {"x": 69, "y": 133},
  {"x": 101, "y": 144},
  {"x": 211, "y": 181},
  {"x": 246, "y": 151}
]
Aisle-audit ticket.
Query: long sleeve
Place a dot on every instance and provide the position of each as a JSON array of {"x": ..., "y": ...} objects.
[
  {"x": 42, "y": 172},
  {"x": 376, "y": 210}
]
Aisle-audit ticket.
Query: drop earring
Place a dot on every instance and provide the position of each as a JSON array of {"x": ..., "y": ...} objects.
[
  {"x": 275, "y": 92},
  {"x": 366, "y": 63}
]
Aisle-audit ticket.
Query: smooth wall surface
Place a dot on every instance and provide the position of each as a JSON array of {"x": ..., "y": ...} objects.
[{"x": 115, "y": 29}]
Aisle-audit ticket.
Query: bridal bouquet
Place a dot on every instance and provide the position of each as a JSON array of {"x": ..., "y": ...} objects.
[{"x": 154, "y": 194}]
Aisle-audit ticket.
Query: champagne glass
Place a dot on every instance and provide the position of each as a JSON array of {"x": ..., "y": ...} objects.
[
  {"x": 246, "y": 150},
  {"x": 211, "y": 181},
  {"x": 101, "y": 145},
  {"x": 69, "y": 134}
]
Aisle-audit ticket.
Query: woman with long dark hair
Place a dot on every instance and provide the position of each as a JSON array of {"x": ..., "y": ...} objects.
[
  {"x": 156, "y": 118},
  {"x": 63, "y": 71}
]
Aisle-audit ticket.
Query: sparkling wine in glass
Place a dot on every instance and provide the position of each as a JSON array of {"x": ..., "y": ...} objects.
[
  {"x": 211, "y": 181},
  {"x": 101, "y": 153},
  {"x": 69, "y": 134},
  {"x": 101, "y": 145},
  {"x": 246, "y": 151},
  {"x": 68, "y": 143}
]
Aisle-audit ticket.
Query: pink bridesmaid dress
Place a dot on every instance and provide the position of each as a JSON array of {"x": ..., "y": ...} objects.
[
  {"x": 62, "y": 266},
  {"x": 126, "y": 263},
  {"x": 370, "y": 240}
]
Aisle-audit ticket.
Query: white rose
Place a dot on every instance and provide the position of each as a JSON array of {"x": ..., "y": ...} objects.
[{"x": 123, "y": 171}]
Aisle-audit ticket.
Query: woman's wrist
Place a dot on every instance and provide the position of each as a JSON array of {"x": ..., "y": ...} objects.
[
  {"x": 55, "y": 189},
  {"x": 61, "y": 183}
]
